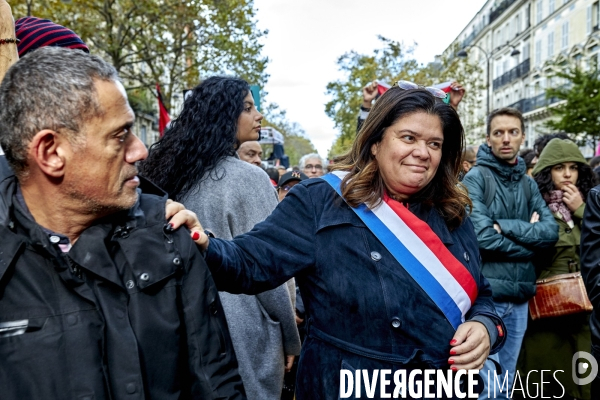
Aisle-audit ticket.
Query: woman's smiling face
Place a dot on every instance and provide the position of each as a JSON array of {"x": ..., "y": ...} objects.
[{"x": 409, "y": 153}]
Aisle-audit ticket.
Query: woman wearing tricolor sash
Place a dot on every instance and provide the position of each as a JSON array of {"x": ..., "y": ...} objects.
[{"x": 384, "y": 253}]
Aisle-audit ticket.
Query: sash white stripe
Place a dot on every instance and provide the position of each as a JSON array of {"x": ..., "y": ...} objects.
[{"x": 425, "y": 256}]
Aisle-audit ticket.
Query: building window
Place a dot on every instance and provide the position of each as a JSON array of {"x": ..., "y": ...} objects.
[
  {"x": 594, "y": 62},
  {"x": 517, "y": 24},
  {"x": 538, "y": 52},
  {"x": 565, "y": 35},
  {"x": 539, "y": 9},
  {"x": 551, "y": 45},
  {"x": 550, "y": 7},
  {"x": 588, "y": 20},
  {"x": 525, "y": 51},
  {"x": 143, "y": 134}
]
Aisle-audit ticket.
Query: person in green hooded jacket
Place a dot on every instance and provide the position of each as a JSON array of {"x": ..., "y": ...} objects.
[{"x": 564, "y": 179}]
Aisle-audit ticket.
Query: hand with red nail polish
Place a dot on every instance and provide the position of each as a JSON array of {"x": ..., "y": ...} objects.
[
  {"x": 470, "y": 346},
  {"x": 178, "y": 216}
]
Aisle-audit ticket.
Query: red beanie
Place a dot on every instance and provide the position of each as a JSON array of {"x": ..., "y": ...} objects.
[{"x": 35, "y": 33}]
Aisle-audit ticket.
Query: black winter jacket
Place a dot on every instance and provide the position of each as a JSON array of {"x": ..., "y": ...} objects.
[
  {"x": 590, "y": 261},
  {"x": 507, "y": 256},
  {"x": 130, "y": 312}
]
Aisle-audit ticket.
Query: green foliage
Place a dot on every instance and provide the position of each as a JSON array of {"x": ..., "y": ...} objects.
[
  {"x": 296, "y": 144},
  {"x": 142, "y": 101},
  {"x": 174, "y": 42},
  {"x": 391, "y": 63},
  {"x": 580, "y": 113}
]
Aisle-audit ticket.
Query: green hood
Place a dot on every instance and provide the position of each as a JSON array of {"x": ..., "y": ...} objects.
[{"x": 558, "y": 151}]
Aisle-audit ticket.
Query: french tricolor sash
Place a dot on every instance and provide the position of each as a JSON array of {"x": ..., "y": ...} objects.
[{"x": 420, "y": 252}]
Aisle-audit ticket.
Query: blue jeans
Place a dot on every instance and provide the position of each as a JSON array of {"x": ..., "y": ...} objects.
[{"x": 514, "y": 316}]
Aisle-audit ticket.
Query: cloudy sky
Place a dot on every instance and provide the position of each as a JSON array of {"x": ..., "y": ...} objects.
[{"x": 307, "y": 36}]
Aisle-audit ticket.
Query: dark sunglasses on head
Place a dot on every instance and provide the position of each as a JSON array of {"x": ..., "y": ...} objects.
[{"x": 439, "y": 93}]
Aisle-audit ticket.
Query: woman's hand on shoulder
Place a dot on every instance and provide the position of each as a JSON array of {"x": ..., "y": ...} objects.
[
  {"x": 178, "y": 215},
  {"x": 572, "y": 197},
  {"x": 470, "y": 346}
]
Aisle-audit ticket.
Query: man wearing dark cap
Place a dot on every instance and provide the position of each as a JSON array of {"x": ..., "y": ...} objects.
[{"x": 288, "y": 181}]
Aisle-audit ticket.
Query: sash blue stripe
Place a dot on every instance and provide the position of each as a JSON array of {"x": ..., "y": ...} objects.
[{"x": 414, "y": 268}]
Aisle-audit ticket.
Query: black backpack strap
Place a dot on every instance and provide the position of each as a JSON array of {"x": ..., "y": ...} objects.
[{"x": 489, "y": 189}]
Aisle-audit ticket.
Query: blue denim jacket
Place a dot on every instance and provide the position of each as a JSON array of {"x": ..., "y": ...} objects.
[{"x": 360, "y": 302}]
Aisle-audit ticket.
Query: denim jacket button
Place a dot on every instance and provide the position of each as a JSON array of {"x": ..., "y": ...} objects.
[
  {"x": 375, "y": 256},
  {"x": 396, "y": 322},
  {"x": 131, "y": 388}
]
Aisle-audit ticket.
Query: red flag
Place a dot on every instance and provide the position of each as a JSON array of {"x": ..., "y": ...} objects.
[
  {"x": 163, "y": 114},
  {"x": 382, "y": 87}
]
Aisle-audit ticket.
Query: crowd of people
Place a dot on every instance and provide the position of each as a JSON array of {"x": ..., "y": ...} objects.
[{"x": 187, "y": 271}]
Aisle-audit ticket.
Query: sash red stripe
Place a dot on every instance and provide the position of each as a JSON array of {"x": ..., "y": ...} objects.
[{"x": 433, "y": 242}]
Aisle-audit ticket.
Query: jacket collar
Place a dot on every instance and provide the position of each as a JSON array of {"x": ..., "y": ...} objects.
[
  {"x": 506, "y": 172},
  {"x": 17, "y": 227}
]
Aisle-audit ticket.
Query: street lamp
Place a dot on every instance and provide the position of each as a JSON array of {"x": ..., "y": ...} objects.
[{"x": 463, "y": 54}]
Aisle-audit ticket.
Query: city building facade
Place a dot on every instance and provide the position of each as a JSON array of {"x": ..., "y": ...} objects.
[{"x": 517, "y": 43}]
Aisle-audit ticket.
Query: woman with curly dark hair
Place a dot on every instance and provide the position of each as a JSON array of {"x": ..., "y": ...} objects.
[
  {"x": 564, "y": 179},
  {"x": 196, "y": 164},
  {"x": 384, "y": 251}
]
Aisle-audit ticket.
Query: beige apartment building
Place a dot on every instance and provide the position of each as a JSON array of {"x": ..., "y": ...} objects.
[{"x": 515, "y": 41}]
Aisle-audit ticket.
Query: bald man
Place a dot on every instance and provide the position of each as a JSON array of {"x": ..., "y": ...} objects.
[{"x": 251, "y": 152}]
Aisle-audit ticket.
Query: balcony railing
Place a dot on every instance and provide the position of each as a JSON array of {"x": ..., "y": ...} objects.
[
  {"x": 496, "y": 12},
  {"x": 476, "y": 30},
  {"x": 533, "y": 103},
  {"x": 513, "y": 74}
]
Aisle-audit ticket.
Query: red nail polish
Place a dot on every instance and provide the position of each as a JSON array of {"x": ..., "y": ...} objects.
[
  {"x": 453, "y": 352},
  {"x": 450, "y": 361},
  {"x": 453, "y": 341},
  {"x": 196, "y": 235},
  {"x": 454, "y": 369}
]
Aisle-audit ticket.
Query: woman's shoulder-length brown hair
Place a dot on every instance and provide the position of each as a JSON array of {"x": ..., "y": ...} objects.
[{"x": 364, "y": 183}]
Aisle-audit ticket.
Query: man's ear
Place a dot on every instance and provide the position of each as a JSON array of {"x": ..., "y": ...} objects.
[
  {"x": 466, "y": 166},
  {"x": 47, "y": 150}
]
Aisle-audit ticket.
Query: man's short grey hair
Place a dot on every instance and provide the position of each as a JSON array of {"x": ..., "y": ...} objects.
[
  {"x": 50, "y": 88},
  {"x": 302, "y": 162}
]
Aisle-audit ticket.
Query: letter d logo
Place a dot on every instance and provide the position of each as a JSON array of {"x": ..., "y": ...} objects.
[{"x": 579, "y": 368}]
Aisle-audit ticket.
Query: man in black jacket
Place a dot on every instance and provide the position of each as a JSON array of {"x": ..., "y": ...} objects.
[{"x": 97, "y": 299}]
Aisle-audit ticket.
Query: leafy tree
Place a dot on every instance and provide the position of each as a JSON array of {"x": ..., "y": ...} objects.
[
  {"x": 296, "y": 144},
  {"x": 391, "y": 63},
  {"x": 174, "y": 42},
  {"x": 578, "y": 110}
]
